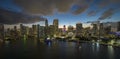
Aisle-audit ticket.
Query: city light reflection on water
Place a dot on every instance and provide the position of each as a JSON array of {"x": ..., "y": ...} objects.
[
  {"x": 95, "y": 47},
  {"x": 49, "y": 44},
  {"x": 111, "y": 52},
  {"x": 97, "y": 44},
  {"x": 58, "y": 49},
  {"x": 7, "y": 43}
]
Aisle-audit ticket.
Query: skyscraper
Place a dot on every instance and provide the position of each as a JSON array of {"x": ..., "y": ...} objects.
[
  {"x": 42, "y": 32},
  {"x": 101, "y": 26},
  {"x": 70, "y": 28},
  {"x": 1, "y": 31},
  {"x": 38, "y": 31},
  {"x": 118, "y": 27},
  {"x": 94, "y": 26},
  {"x": 101, "y": 29},
  {"x": 51, "y": 30},
  {"x": 15, "y": 28},
  {"x": 95, "y": 29},
  {"x": 34, "y": 29},
  {"x": 55, "y": 24},
  {"x": 21, "y": 29},
  {"x": 46, "y": 23},
  {"x": 15, "y": 32},
  {"x": 107, "y": 29},
  {"x": 60, "y": 31},
  {"x": 64, "y": 28},
  {"x": 46, "y": 27},
  {"x": 79, "y": 27}
]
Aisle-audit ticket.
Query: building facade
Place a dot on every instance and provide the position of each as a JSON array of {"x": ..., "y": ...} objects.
[
  {"x": 56, "y": 24},
  {"x": 79, "y": 29},
  {"x": 1, "y": 31}
]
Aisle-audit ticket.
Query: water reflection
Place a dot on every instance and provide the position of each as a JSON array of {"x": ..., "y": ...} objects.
[
  {"x": 24, "y": 40},
  {"x": 35, "y": 42},
  {"x": 7, "y": 43},
  {"x": 111, "y": 52},
  {"x": 48, "y": 43},
  {"x": 72, "y": 44},
  {"x": 95, "y": 47},
  {"x": 59, "y": 49}
]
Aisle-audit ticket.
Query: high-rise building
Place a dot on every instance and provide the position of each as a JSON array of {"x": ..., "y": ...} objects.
[
  {"x": 64, "y": 28},
  {"x": 95, "y": 29},
  {"x": 70, "y": 28},
  {"x": 107, "y": 29},
  {"x": 46, "y": 27},
  {"x": 8, "y": 32},
  {"x": 60, "y": 31},
  {"x": 101, "y": 26},
  {"x": 95, "y": 26},
  {"x": 23, "y": 30},
  {"x": 70, "y": 31},
  {"x": 30, "y": 32},
  {"x": 55, "y": 23},
  {"x": 34, "y": 29},
  {"x": 51, "y": 30},
  {"x": 15, "y": 32},
  {"x": 114, "y": 26},
  {"x": 15, "y": 27},
  {"x": 46, "y": 23},
  {"x": 101, "y": 29},
  {"x": 1, "y": 31},
  {"x": 79, "y": 28},
  {"x": 42, "y": 32},
  {"x": 118, "y": 27},
  {"x": 38, "y": 31}
]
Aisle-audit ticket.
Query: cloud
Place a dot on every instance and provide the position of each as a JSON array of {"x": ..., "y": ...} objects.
[
  {"x": 107, "y": 14},
  {"x": 115, "y": 1},
  {"x": 92, "y": 13},
  {"x": 80, "y": 9},
  {"x": 44, "y": 7},
  {"x": 93, "y": 22},
  {"x": 103, "y": 3},
  {"x": 8, "y": 17},
  {"x": 47, "y": 7},
  {"x": 113, "y": 4},
  {"x": 82, "y": 5}
]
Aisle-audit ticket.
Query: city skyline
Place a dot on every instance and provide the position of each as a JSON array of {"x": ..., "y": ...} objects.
[
  {"x": 68, "y": 12},
  {"x": 60, "y": 29}
]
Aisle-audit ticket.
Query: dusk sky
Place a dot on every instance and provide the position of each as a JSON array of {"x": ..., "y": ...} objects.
[{"x": 69, "y": 12}]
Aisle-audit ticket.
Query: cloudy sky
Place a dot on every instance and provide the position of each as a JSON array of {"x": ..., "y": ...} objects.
[{"x": 69, "y": 12}]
